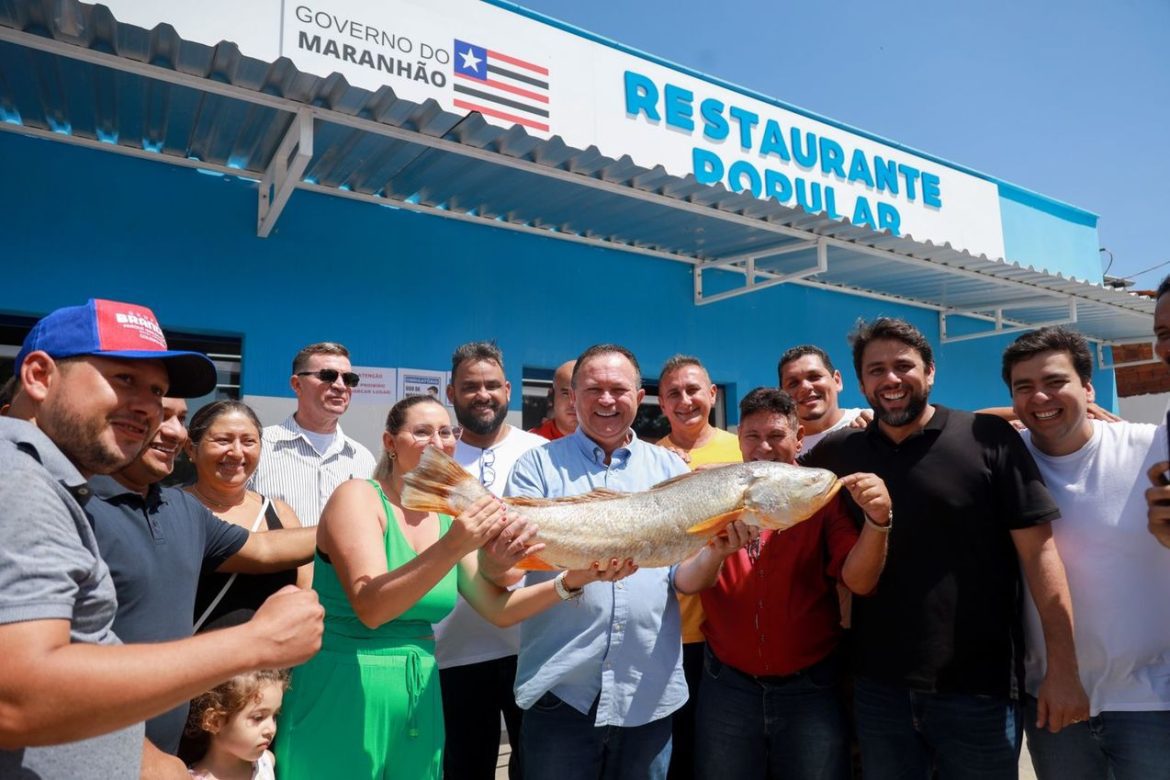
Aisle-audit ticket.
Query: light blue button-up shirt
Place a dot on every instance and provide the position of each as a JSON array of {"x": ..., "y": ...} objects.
[{"x": 620, "y": 643}]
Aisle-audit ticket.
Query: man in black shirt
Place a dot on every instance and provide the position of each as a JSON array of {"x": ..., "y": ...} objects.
[{"x": 938, "y": 658}]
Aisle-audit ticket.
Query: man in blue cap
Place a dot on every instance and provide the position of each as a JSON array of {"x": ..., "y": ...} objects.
[{"x": 72, "y": 698}]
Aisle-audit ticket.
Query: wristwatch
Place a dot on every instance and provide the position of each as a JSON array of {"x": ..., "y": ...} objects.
[
  {"x": 563, "y": 591},
  {"x": 881, "y": 529}
]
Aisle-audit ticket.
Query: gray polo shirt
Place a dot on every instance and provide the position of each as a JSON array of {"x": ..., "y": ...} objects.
[
  {"x": 50, "y": 569},
  {"x": 155, "y": 546}
]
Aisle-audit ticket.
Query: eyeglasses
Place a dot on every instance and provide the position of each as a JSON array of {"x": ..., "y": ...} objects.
[
  {"x": 423, "y": 434},
  {"x": 487, "y": 475},
  {"x": 329, "y": 376}
]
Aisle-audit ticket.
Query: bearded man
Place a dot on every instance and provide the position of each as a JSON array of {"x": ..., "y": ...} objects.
[
  {"x": 937, "y": 673},
  {"x": 477, "y": 661}
]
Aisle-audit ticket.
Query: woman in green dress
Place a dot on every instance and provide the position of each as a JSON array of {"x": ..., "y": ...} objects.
[{"x": 368, "y": 705}]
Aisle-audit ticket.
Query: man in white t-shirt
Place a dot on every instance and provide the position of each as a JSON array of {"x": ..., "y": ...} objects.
[
  {"x": 477, "y": 661},
  {"x": 1117, "y": 578},
  {"x": 807, "y": 374}
]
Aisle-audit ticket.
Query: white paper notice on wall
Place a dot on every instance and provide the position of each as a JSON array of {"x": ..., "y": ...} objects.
[
  {"x": 378, "y": 385},
  {"x": 422, "y": 381}
]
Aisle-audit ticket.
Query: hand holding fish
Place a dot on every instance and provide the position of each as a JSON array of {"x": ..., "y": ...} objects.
[
  {"x": 480, "y": 523},
  {"x": 601, "y": 571},
  {"x": 737, "y": 534},
  {"x": 512, "y": 545},
  {"x": 871, "y": 496}
]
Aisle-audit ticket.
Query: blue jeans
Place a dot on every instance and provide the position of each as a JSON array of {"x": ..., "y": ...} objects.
[
  {"x": 908, "y": 734},
  {"x": 750, "y": 727},
  {"x": 1113, "y": 744},
  {"x": 560, "y": 743}
]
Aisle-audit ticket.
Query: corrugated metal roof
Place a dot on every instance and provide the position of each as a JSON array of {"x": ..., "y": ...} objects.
[{"x": 72, "y": 70}]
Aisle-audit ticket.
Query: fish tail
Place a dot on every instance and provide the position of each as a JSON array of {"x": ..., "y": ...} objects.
[{"x": 439, "y": 484}]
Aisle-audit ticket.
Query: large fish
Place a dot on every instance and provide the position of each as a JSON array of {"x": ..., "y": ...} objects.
[{"x": 657, "y": 527}]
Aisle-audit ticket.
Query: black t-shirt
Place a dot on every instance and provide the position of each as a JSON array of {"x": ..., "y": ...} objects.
[
  {"x": 945, "y": 616},
  {"x": 155, "y": 547},
  {"x": 247, "y": 591}
]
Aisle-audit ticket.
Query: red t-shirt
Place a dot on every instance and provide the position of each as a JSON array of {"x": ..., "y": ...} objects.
[
  {"x": 548, "y": 429},
  {"x": 779, "y": 614}
]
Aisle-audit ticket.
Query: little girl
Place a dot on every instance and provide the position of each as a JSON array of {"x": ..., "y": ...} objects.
[{"x": 238, "y": 720}]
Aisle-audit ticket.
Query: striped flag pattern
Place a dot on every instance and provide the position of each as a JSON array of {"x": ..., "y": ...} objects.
[{"x": 500, "y": 86}]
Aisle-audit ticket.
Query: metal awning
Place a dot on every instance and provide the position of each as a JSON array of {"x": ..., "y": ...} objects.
[{"x": 71, "y": 72}]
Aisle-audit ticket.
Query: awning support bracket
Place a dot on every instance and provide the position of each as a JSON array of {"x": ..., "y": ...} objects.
[
  {"x": 746, "y": 264},
  {"x": 284, "y": 171},
  {"x": 1000, "y": 327},
  {"x": 1104, "y": 363}
]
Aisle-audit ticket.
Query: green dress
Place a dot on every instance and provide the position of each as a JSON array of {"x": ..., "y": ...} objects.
[{"x": 368, "y": 705}]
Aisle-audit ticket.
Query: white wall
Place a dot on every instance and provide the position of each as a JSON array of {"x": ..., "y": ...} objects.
[{"x": 1145, "y": 408}]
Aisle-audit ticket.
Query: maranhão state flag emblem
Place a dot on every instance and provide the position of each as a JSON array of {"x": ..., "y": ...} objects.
[{"x": 500, "y": 85}]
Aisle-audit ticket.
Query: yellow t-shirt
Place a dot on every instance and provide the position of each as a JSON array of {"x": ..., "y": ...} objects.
[{"x": 722, "y": 448}]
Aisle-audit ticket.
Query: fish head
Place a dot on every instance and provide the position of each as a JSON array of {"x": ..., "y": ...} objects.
[{"x": 781, "y": 495}]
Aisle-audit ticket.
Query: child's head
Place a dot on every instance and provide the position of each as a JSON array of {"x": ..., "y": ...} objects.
[{"x": 239, "y": 716}]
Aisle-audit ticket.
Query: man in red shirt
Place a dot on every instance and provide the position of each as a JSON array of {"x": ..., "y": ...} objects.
[
  {"x": 768, "y": 705},
  {"x": 562, "y": 418}
]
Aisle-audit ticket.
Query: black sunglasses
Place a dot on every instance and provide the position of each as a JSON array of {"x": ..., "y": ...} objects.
[{"x": 329, "y": 376}]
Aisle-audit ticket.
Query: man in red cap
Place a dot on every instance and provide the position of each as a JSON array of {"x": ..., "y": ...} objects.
[{"x": 72, "y": 698}]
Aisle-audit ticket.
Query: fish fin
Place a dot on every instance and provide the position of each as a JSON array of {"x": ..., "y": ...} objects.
[
  {"x": 713, "y": 525},
  {"x": 534, "y": 563},
  {"x": 592, "y": 495},
  {"x": 439, "y": 484},
  {"x": 674, "y": 480}
]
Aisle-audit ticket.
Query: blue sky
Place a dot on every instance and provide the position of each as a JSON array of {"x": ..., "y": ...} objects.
[{"x": 1068, "y": 98}]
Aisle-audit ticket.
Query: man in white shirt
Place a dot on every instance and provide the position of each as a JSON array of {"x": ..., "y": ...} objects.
[
  {"x": 307, "y": 456},
  {"x": 1095, "y": 471},
  {"x": 477, "y": 661},
  {"x": 807, "y": 374}
]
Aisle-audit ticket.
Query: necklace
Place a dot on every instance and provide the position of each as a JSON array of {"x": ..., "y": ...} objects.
[{"x": 214, "y": 504}]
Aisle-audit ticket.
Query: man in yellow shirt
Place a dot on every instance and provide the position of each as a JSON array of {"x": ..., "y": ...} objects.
[{"x": 686, "y": 395}]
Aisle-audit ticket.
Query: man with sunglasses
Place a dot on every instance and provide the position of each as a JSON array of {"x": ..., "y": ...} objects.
[
  {"x": 307, "y": 456},
  {"x": 477, "y": 661}
]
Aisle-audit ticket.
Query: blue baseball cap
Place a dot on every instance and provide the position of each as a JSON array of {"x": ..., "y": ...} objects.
[{"x": 125, "y": 331}]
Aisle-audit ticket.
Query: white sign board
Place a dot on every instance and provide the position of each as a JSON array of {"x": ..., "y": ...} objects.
[
  {"x": 377, "y": 386},
  {"x": 422, "y": 381},
  {"x": 513, "y": 69}
]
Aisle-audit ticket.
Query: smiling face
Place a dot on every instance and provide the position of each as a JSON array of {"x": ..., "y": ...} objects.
[
  {"x": 1051, "y": 400},
  {"x": 686, "y": 396},
  {"x": 316, "y": 399},
  {"x": 100, "y": 412},
  {"x": 408, "y": 443},
  {"x": 480, "y": 395},
  {"x": 814, "y": 388},
  {"x": 767, "y": 435},
  {"x": 248, "y": 733},
  {"x": 229, "y": 451},
  {"x": 607, "y": 396},
  {"x": 157, "y": 461},
  {"x": 896, "y": 382}
]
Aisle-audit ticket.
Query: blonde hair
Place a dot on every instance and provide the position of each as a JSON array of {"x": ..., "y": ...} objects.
[{"x": 394, "y": 422}]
